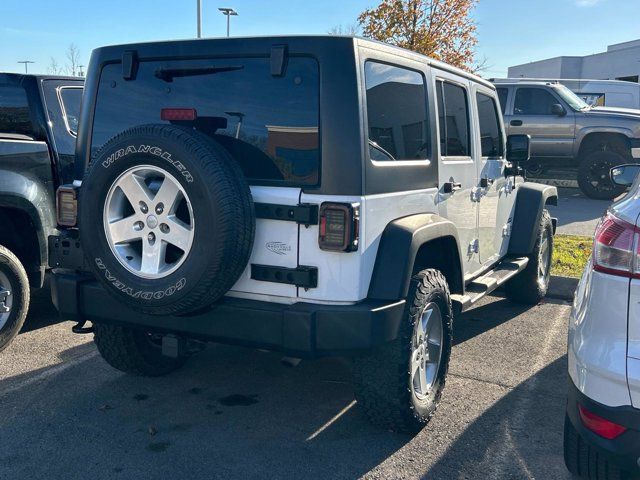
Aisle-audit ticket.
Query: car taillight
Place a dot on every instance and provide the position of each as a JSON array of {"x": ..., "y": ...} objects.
[
  {"x": 615, "y": 248},
  {"x": 178, "y": 114},
  {"x": 600, "y": 426},
  {"x": 339, "y": 227},
  {"x": 66, "y": 206}
]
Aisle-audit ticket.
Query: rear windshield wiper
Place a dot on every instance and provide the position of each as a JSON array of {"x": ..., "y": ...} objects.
[{"x": 168, "y": 74}]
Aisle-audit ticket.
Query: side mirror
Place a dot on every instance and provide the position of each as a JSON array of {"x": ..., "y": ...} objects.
[
  {"x": 624, "y": 175},
  {"x": 558, "y": 110},
  {"x": 518, "y": 148}
]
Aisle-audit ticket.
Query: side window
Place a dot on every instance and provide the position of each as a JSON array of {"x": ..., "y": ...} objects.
[
  {"x": 490, "y": 132},
  {"x": 533, "y": 101},
  {"x": 70, "y": 98},
  {"x": 14, "y": 111},
  {"x": 453, "y": 115},
  {"x": 503, "y": 94},
  {"x": 396, "y": 113}
]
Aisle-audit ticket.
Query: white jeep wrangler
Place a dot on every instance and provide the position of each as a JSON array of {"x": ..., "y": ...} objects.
[{"x": 310, "y": 195}]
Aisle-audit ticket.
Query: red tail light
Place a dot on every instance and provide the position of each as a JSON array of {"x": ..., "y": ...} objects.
[
  {"x": 615, "y": 249},
  {"x": 339, "y": 227},
  {"x": 178, "y": 114},
  {"x": 600, "y": 426}
]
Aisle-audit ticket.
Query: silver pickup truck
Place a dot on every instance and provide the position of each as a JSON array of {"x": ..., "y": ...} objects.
[{"x": 567, "y": 133}]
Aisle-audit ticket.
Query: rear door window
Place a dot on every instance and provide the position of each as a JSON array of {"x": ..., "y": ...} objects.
[
  {"x": 396, "y": 113},
  {"x": 15, "y": 119},
  {"x": 490, "y": 132},
  {"x": 503, "y": 94},
  {"x": 453, "y": 116},
  {"x": 270, "y": 124},
  {"x": 70, "y": 99}
]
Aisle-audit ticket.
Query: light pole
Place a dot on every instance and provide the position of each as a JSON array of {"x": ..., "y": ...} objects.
[
  {"x": 228, "y": 12},
  {"x": 199, "y": 16},
  {"x": 26, "y": 65},
  {"x": 81, "y": 72}
]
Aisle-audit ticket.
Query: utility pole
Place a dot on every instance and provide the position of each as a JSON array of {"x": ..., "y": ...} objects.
[
  {"x": 26, "y": 65},
  {"x": 228, "y": 12},
  {"x": 199, "y": 15}
]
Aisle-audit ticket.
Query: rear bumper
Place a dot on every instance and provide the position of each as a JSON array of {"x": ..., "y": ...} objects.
[
  {"x": 623, "y": 450},
  {"x": 301, "y": 329}
]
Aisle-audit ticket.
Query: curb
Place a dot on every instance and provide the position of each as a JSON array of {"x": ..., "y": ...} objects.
[{"x": 562, "y": 288}]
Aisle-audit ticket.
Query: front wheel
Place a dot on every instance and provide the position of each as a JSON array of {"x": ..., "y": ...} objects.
[
  {"x": 531, "y": 285},
  {"x": 134, "y": 351},
  {"x": 14, "y": 296},
  {"x": 399, "y": 385}
]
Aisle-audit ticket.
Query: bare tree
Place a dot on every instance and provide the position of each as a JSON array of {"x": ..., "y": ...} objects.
[
  {"x": 73, "y": 57},
  {"x": 54, "y": 67},
  {"x": 349, "y": 29}
]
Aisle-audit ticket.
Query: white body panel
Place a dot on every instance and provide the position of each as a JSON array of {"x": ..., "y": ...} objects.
[
  {"x": 597, "y": 348},
  {"x": 345, "y": 277},
  {"x": 276, "y": 244}
]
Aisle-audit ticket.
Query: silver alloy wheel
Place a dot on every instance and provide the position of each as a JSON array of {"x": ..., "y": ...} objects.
[
  {"x": 426, "y": 351},
  {"x": 148, "y": 221},
  {"x": 5, "y": 307},
  {"x": 544, "y": 259}
]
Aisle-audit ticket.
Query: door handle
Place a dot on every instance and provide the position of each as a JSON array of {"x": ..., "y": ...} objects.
[
  {"x": 516, "y": 123},
  {"x": 486, "y": 182},
  {"x": 450, "y": 187}
]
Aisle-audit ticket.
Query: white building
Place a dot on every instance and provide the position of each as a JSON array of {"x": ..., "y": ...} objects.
[{"x": 620, "y": 62}]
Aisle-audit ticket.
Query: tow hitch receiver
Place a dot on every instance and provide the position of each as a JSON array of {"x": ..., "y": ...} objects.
[{"x": 3, "y": 298}]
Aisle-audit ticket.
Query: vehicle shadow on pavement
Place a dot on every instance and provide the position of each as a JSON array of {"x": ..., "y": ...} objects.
[
  {"x": 237, "y": 413},
  {"x": 42, "y": 313}
]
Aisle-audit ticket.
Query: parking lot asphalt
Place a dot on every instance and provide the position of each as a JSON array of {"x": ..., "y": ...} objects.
[
  {"x": 237, "y": 413},
  {"x": 576, "y": 213}
]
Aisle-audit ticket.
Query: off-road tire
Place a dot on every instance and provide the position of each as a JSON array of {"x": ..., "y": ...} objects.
[
  {"x": 11, "y": 267},
  {"x": 382, "y": 378},
  {"x": 133, "y": 351},
  {"x": 593, "y": 174},
  {"x": 526, "y": 287},
  {"x": 222, "y": 209},
  {"x": 584, "y": 461}
]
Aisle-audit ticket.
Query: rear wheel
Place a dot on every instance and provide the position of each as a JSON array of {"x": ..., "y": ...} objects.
[
  {"x": 134, "y": 351},
  {"x": 399, "y": 386},
  {"x": 531, "y": 285},
  {"x": 593, "y": 174},
  {"x": 14, "y": 296}
]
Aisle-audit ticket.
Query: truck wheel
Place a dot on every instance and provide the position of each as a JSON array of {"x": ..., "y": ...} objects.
[
  {"x": 593, "y": 174},
  {"x": 134, "y": 351},
  {"x": 14, "y": 296},
  {"x": 167, "y": 219},
  {"x": 399, "y": 385},
  {"x": 531, "y": 285},
  {"x": 584, "y": 461}
]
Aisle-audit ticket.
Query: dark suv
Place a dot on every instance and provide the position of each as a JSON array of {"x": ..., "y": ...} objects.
[{"x": 38, "y": 128}]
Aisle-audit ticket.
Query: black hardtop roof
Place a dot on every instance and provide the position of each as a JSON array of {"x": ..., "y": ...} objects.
[
  {"x": 19, "y": 76},
  {"x": 254, "y": 44}
]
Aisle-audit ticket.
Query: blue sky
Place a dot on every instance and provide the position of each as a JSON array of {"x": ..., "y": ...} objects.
[{"x": 509, "y": 31}]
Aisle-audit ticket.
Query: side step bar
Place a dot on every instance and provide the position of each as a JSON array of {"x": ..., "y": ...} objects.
[{"x": 490, "y": 281}]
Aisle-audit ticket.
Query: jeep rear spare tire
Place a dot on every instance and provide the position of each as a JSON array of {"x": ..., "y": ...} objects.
[{"x": 166, "y": 218}]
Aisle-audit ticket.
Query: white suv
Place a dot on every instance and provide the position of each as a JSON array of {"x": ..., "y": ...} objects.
[{"x": 602, "y": 426}]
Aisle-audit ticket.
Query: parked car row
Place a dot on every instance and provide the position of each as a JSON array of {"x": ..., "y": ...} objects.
[{"x": 316, "y": 196}]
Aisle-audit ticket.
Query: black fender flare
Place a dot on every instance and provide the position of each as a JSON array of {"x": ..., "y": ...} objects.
[
  {"x": 530, "y": 202},
  {"x": 397, "y": 251}
]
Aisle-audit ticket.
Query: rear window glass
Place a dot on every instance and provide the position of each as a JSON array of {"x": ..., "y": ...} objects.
[
  {"x": 14, "y": 111},
  {"x": 270, "y": 124},
  {"x": 396, "y": 113},
  {"x": 70, "y": 98}
]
